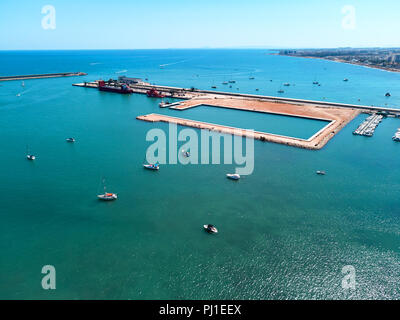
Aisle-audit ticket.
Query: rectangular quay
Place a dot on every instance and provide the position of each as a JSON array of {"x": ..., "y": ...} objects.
[
  {"x": 279, "y": 124},
  {"x": 263, "y": 136},
  {"x": 337, "y": 117}
]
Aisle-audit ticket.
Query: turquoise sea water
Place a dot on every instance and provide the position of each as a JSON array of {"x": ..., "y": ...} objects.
[{"x": 285, "y": 233}]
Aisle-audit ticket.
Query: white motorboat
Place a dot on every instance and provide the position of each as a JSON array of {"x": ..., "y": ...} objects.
[
  {"x": 151, "y": 166},
  {"x": 233, "y": 176},
  {"x": 29, "y": 156},
  {"x": 186, "y": 154},
  {"x": 210, "y": 228}
]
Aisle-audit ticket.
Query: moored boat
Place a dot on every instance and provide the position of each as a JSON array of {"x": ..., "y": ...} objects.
[
  {"x": 107, "y": 196},
  {"x": 210, "y": 228},
  {"x": 153, "y": 93},
  {"x": 116, "y": 88},
  {"x": 163, "y": 104},
  {"x": 70, "y": 139},
  {"x": 186, "y": 154},
  {"x": 233, "y": 176},
  {"x": 321, "y": 173},
  {"x": 396, "y": 136},
  {"x": 151, "y": 166},
  {"x": 29, "y": 156}
]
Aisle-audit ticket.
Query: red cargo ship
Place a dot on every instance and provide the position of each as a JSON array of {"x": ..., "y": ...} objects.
[
  {"x": 122, "y": 88},
  {"x": 154, "y": 93}
]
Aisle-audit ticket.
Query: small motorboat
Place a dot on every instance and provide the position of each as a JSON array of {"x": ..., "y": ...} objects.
[
  {"x": 233, "y": 176},
  {"x": 321, "y": 173},
  {"x": 225, "y": 82},
  {"x": 163, "y": 104},
  {"x": 70, "y": 140},
  {"x": 345, "y": 80},
  {"x": 29, "y": 156},
  {"x": 210, "y": 228},
  {"x": 214, "y": 87},
  {"x": 286, "y": 84},
  {"x": 281, "y": 91},
  {"x": 107, "y": 196},
  {"x": 388, "y": 94},
  {"x": 251, "y": 78},
  {"x": 151, "y": 166},
  {"x": 186, "y": 154}
]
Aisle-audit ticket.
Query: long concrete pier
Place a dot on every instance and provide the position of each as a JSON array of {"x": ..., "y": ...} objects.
[
  {"x": 191, "y": 93},
  {"x": 41, "y": 76}
]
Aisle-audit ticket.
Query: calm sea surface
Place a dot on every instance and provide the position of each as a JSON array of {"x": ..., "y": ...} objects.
[{"x": 285, "y": 233}]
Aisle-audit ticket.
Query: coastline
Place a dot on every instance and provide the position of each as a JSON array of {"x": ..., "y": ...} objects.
[{"x": 341, "y": 61}]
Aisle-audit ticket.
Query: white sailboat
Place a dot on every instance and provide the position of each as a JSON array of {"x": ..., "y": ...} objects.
[{"x": 107, "y": 196}]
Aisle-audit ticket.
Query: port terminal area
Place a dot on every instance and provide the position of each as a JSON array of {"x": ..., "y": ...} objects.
[{"x": 337, "y": 115}]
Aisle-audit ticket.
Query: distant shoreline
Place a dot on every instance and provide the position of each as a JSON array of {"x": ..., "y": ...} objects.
[{"x": 340, "y": 61}]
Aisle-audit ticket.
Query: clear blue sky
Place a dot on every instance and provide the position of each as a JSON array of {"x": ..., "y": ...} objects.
[{"x": 131, "y": 24}]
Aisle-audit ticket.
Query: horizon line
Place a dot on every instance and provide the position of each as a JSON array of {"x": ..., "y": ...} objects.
[{"x": 210, "y": 48}]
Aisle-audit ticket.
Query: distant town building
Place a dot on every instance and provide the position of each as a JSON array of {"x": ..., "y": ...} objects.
[{"x": 395, "y": 58}]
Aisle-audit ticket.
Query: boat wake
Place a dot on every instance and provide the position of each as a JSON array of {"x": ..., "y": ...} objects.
[{"x": 172, "y": 63}]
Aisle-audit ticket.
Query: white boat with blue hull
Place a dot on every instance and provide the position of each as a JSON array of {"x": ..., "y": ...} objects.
[
  {"x": 151, "y": 166},
  {"x": 233, "y": 176}
]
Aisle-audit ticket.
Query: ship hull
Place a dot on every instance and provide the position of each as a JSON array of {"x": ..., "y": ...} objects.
[{"x": 115, "y": 90}]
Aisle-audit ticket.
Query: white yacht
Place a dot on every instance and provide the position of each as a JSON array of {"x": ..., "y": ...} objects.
[{"x": 233, "y": 176}]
